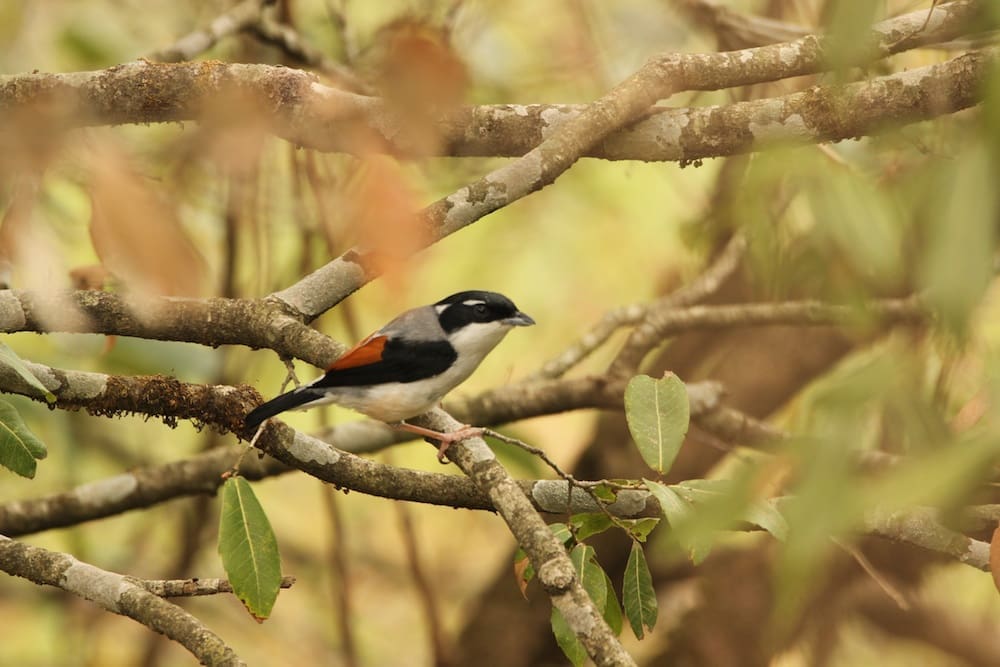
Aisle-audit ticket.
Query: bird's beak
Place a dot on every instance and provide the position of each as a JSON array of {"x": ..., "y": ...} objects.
[{"x": 519, "y": 319}]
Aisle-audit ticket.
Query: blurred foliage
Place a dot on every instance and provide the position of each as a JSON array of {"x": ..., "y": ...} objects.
[{"x": 910, "y": 209}]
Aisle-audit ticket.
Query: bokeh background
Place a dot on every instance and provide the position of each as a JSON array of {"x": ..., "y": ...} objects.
[{"x": 911, "y": 209}]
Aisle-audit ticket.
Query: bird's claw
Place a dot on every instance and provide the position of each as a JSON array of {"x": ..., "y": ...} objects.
[{"x": 448, "y": 439}]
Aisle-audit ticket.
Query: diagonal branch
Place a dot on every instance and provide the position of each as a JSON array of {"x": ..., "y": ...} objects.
[
  {"x": 666, "y": 322},
  {"x": 552, "y": 565},
  {"x": 189, "y": 47},
  {"x": 685, "y": 134},
  {"x": 298, "y": 106},
  {"x": 115, "y": 593},
  {"x": 706, "y": 284},
  {"x": 660, "y": 78}
]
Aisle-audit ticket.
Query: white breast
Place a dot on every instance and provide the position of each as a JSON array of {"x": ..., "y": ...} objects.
[{"x": 396, "y": 401}]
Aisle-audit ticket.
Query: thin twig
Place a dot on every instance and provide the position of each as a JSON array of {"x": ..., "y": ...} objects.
[
  {"x": 887, "y": 586},
  {"x": 706, "y": 284},
  {"x": 286, "y": 38},
  {"x": 115, "y": 593},
  {"x": 571, "y": 482},
  {"x": 290, "y": 376},
  {"x": 664, "y": 323},
  {"x": 176, "y": 588},
  {"x": 194, "y": 44}
]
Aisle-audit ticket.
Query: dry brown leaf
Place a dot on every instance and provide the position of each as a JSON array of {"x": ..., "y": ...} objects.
[
  {"x": 233, "y": 128},
  {"x": 136, "y": 233},
  {"x": 31, "y": 251},
  {"x": 420, "y": 76},
  {"x": 970, "y": 413},
  {"x": 14, "y": 231},
  {"x": 520, "y": 567},
  {"x": 90, "y": 277},
  {"x": 32, "y": 136},
  {"x": 382, "y": 206}
]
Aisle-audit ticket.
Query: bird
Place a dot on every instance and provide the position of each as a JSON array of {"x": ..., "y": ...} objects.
[{"x": 405, "y": 368}]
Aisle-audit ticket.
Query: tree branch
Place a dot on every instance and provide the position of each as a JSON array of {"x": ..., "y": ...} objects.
[
  {"x": 202, "y": 473},
  {"x": 177, "y": 588},
  {"x": 297, "y": 105},
  {"x": 552, "y": 565},
  {"x": 163, "y": 396},
  {"x": 189, "y": 47},
  {"x": 707, "y": 283},
  {"x": 660, "y": 78},
  {"x": 115, "y": 593},
  {"x": 819, "y": 114},
  {"x": 666, "y": 322},
  {"x": 213, "y": 322}
]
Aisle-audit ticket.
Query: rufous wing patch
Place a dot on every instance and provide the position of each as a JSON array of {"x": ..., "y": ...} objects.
[{"x": 368, "y": 351}]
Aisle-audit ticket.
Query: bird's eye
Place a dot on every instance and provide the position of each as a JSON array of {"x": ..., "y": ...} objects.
[{"x": 480, "y": 310}]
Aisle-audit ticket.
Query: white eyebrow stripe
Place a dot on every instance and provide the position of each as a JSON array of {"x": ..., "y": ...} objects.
[{"x": 474, "y": 302}]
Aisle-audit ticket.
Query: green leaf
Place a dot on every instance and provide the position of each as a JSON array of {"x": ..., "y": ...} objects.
[
  {"x": 638, "y": 593},
  {"x": 567, "y": 640},
  {"x": 680, "y": 516},
  {"x": 561, "y": 531},
  {"x": 590, "y": 573},
  {"x": 10, "y": 359},
  {"x": 524, "y": 572},
  {"x": 590, "y": 523},
  {"x": 18, "y": 446},
  {"x": 674, "y": 508},
  {"x": 248, "y": 548},
  {"x": 605, "y": 493},
  {"x": 958, "y": 263},
  {"x": 640, "y": 529},
  {"x": 657, "y": 412},
  {"x": 845, "y": 22},
  {"x": 767, "y": 516},
  {"x": 612, "y": 608}
]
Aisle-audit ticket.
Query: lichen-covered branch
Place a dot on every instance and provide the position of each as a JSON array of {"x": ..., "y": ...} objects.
[
  {"x": 308, "y": 113},
  {"x": 202, "y": 473},
  {"x": 182, "y": 588},
  {"x": 221, "y": 406},
  {"x": 658, "y": 79},
  {"x": 548, "y": 556},
  {"x": 818, "y": 114},
  {"x": 213, "y": 322},
  {"x": 115, "y": 593},
  {"x": 139, "y": 488},
  {"x": 922, "y": 527}
]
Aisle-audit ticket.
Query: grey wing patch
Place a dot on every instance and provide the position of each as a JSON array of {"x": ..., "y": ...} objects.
[{"x": 419, "y": 324}]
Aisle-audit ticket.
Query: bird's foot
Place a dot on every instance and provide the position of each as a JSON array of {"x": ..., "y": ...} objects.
[{"x": 446, "y": 439}]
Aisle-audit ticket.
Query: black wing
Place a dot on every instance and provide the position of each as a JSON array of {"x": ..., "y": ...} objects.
[{"x": 402, "y": 361}]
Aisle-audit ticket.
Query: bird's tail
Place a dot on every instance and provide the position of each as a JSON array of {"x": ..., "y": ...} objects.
[{"x": 289, "y": 401}]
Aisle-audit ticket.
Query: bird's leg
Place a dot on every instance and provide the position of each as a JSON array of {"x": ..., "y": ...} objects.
[{"x": 447, "y": 439}]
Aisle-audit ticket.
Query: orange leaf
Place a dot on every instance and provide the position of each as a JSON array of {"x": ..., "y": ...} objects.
[
  {"x": 970, "y": 413},
  {"x": 90, "y": 277},
  {"x": 420, "y": 76},
  {"x": 383, "y": 207},
  {"x": 520, "y": 567},
  {"x": 136, "y": 233}
]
